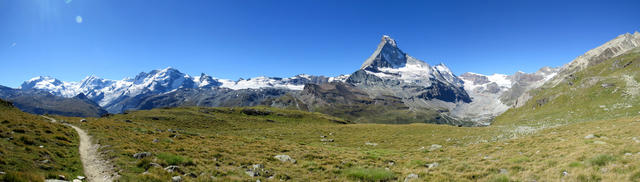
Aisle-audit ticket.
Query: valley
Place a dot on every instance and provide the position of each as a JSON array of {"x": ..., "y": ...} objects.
[{"x": 395, "y": 119}]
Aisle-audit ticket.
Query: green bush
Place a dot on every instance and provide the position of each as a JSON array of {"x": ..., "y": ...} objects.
[
  {"x": 370, "y": 174},
  {"x": 602, "y": 160},
  {"x": 172, "y": 159}
]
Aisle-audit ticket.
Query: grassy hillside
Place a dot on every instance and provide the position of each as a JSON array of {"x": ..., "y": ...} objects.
[
  {"x": 225, "y": 144},
  {"x": 33, "y": 148},
  {"x": 610, "y": 89}
]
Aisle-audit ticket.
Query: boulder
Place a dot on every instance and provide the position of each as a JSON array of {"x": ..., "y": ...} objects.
[
  {"x": 589, "y": 136},
  {"x": 326, "y": 140},
  {"x": 176, "y": 179},
  {"x": 435, "y": 147},
  {"x": 411, "y": 177},
  {"x": 83, "y": 120},
  {"x": 432, "y": 165},
  {"x": 171, "y": 169},
  {"x": 141, "y": 155},
  {"x": 285, "y": 158}
]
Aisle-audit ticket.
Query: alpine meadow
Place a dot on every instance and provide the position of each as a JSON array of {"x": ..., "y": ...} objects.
[{"x": 349, "y": 112}]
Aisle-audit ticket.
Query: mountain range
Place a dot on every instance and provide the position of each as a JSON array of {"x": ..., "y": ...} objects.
[{"x": 390, "y": 87}]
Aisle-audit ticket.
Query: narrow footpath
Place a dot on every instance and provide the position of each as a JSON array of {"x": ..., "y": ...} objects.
[{"x": 95, "y": 168}]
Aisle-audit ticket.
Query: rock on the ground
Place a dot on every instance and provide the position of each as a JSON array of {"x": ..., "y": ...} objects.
[
  {"x": 435, "y": 147},
  {"x": 410, "y": 177},
  {"x": 76, "y": 180},
  {"x": 372, "y": 144},
  {"x": 285, "y": 158},
  {"x": 141, "y": 155},
  {"x": 54, "y": 180},
  {"x": 432, "y": 165},
  {"x": 503, "y": 171},
  {"x": 589, "y": 136},
  {"x": 81, "y": 177},
  {"x": 326, "y": 140},
  {"x": 176, "y": 179},
  {"x": 83, "y": 120},
  {"x": 171, "y": 169}
]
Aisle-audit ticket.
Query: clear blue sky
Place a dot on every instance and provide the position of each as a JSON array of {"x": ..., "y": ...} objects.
[{"x": 240, "y": 38}]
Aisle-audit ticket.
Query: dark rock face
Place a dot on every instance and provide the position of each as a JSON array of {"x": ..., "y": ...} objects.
[
  {"x": 444, "y": 92},
  {"x": 211, "y": 97},
  {"x": 388, "y": 55}
]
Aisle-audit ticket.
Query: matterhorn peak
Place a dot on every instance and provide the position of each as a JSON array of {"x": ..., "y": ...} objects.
[
  {"x": 387, "y": 55},
  {"x": 388, "y": 40}
]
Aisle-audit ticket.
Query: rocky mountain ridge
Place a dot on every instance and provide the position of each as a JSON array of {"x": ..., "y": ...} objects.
[{"x": 389, "y": 82}]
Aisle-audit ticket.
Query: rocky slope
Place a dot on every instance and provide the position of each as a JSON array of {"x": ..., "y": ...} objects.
[{"x": 601, "y": 84}]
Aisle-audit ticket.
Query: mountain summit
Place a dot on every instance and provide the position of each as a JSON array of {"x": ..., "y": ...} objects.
[{"x": 387, "y": 55}]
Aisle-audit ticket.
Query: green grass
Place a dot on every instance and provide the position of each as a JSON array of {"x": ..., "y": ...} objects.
[
  {"x": 602, "y": 160},
  {"x": 368, "y": 174},
  {"x": 224, "y": 143},
  {"x": 33, "y": 149},
  {"x": 582, "y": 97},
  {"x": 172, "y": 159}
]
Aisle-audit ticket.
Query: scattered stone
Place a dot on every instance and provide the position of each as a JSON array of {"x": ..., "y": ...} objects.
[
  {"x": 76, "y": 180},
  {"x": 141, "y": 155},
  {"x": 372, "y": 144},
  {"x": 54, "y": 180},
  {"x": 62, "y": 177},
  {"x": 432, "y": 165},
  {"x": 565, "y": 173},
  {"x": 41, "y": 146},
  {"x": 323, "y": 136},
  {"x": 391, "y": 163},
  {"x": 176, "y": 179},
  {"x": 411, "y": 177},
  {"x": 435, "y": 147},
  {"x": 256, "y": 170},
  {"x": 600, "y": 142},
  {"x": 171, "y": 130},
  {"x": 83, "y": 120},
  {"x": 258, "y": 180},
  {"x": 2, "y": 173},
  {"x": 171, "y": 169},
  {"x": 504, "y": 171},
  {"x": 635, "y": 139},
  {"x": 326, "y": 140},
  {"x": 81, "y": 177},
  {"x": 628, "y": 154},
  {"x": 285, "y": 158},
  {"x": 155, "y": 140},
  {"x": 590, "y": 136}
]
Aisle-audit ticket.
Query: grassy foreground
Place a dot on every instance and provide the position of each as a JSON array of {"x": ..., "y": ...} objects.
[
  {"x": 239, "y": 144},
  {"x": 32, "y": 148}
]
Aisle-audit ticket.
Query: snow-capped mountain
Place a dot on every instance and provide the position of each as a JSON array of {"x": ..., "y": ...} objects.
[
  {"x": 111, "y": 94},
  {"x": 494, "y": 94},
  {"x": 390, "y": 71}
]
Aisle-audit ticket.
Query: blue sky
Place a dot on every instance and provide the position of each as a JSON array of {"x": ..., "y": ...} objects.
[{"x": 246, "y": 38}]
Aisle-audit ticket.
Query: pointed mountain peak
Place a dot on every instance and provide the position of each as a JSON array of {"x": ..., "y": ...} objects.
[
  {"x": 388, "y": 40},
  {"x": 387, "y": 55}
]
